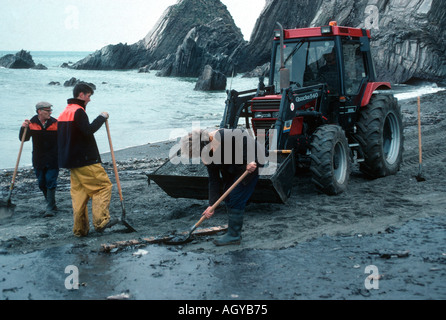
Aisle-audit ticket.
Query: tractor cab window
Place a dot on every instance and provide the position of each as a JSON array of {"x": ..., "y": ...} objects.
[
  {"x": 310, "y": 63},
  {"x": 355, "y": 72}
]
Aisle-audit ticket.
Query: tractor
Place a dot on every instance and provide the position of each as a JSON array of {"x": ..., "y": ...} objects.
[{"x": 323, "y": 109}]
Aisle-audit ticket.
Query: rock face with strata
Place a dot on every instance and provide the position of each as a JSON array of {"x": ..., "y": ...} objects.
[{"x": 189, "y": 35}]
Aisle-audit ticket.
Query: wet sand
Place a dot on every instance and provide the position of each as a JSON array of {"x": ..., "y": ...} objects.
[{"x": 313, "y": 247}]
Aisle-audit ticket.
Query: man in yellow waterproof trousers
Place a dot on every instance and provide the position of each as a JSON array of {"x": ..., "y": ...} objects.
[{"x": 78, "y": 152}]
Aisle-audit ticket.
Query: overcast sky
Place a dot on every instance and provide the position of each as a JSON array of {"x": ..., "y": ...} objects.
[{"x": 89, "y": 25}]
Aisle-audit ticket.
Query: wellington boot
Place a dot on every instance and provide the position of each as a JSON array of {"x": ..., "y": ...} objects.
[
  {"x": 234, "y": 234},
  {"x": 51, "y": 208},
  {"x": 109, "y": 224}
]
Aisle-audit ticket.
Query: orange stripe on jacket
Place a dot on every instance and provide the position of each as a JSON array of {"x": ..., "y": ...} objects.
[
  {"x": 37, "y": 127},
  {"x": 68, "y": 114}
]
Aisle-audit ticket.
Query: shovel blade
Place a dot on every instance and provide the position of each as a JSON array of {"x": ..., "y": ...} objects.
[
  {"x": 181, "y": 239},
  {"x": 129, "y": 227},
  {"x": 6, "y": 211}
]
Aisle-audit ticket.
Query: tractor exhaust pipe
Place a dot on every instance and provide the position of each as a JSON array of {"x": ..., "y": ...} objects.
[{"x": 284, "y": 72}]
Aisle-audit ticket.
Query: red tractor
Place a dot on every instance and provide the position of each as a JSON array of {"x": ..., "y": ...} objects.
[{"x": 327, "y": 109}]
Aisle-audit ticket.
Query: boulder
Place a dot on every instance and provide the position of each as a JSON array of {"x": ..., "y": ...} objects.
[
  {"x": 40, "y": 67},
  {"x": 20, "y": 60},
  {"x": 211, "y": 80},
  {"x": 73, "y": 82}
]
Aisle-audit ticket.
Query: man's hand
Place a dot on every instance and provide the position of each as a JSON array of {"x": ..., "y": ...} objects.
[
  {"x": 26, "y": 123},
  {"x": 208, "y": 213},
  {"x": 105, "y": 115},
  {"x": 251, "y": 167}
]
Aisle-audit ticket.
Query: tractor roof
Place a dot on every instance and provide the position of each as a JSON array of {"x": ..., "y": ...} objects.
[{"x": 332, "y": 30}]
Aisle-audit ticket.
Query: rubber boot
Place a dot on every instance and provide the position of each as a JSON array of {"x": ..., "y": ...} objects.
[
  {"x": 50, "y": 203},
  {"x": 44, "y": 191},
  {"x": 234, "y": 234}
]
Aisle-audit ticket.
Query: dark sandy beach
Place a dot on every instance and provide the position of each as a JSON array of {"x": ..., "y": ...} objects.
[{"x": 313, "y": 247}]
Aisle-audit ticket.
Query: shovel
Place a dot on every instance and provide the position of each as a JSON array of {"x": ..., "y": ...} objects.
[
  {"x": 6, "y": 206},
  {"x": 122, "y": 219},
  {"x": 419, "y": 177},
  {"x": 186, "y": 238}
]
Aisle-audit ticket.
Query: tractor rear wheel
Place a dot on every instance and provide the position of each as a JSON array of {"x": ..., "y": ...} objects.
[
  {"x": 330, "y": 160},
  {"x": 380, "y": 133}
]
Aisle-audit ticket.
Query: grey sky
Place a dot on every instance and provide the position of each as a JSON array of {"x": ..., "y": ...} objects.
[{"x": 88, "y": 25}]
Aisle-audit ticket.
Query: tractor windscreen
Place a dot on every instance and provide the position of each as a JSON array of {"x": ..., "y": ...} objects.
[{"x": 309, "y": 62}]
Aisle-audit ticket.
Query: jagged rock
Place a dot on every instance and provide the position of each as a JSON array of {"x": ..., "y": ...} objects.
[
  {"x": 54, "y": 83},
  {"x": 144, "y": 69},
  {"x": 73, "y": 82},
  {"x": 20, "y": 60},
  {"x": 115, "y": 57},
  {"x": 40, "y": 67},
  {"x": 198, "y": 18},
  {"x": 261, "y": 71},
  {"x": 211, "y": 80},
  {"x": 217, "y": 44},
  {"x": 186, "y": 29}
]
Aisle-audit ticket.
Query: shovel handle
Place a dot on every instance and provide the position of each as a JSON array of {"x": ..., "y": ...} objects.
[
  {"x": 115, "y": 168},
  {"x": 25, "y": 131},
  {"x": 419, "y": 132},
  {"x": 223, "y": 197}
]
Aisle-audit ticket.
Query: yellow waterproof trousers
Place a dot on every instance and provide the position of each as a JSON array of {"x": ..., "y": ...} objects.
[{"x": 90, "y": 182}]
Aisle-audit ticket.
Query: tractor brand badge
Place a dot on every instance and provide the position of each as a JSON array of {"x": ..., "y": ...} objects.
[
  {"x": 292, "y": 107},
  {"x": 310, "y": 96}
]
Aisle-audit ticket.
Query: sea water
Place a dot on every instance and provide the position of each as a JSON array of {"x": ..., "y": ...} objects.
[{"x": 143, "y": 108}]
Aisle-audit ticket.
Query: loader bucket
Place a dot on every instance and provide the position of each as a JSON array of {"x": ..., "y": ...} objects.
[{"x": 191, "y": 181}]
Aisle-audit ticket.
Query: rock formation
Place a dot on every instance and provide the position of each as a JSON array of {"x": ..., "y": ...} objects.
[
  {"x": 20, "y": 60},
  {"x": 189, "y": 35},
  {"x": 211, "y": 80},
  {"x": 409, "y": 37}
]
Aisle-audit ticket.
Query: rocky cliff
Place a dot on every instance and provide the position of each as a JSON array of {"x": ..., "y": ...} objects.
[
  {"x": 409, "y": 37},
  {"x": 189, "y": 35}
]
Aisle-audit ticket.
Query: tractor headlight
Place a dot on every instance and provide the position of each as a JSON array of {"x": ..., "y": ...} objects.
[{"x": 326, "y": 30}]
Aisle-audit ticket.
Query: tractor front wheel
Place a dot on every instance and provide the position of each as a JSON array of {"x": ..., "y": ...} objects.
[{"x": 330, "y": 160}]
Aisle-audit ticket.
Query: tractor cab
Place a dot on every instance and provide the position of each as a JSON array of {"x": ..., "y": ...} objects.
[{"x": 337, "y": 56}]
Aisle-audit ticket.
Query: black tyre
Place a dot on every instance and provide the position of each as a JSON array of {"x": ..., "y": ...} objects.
[
  {"x": 330, "y": 160},
  {"x": 380, "y": 133}
]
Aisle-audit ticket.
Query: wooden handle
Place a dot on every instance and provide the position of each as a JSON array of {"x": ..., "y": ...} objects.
[
  {"x": 115, "y": 168},
  {"x": 419, "y": 131},
  {"x": 223, "y": 197},
  {"x": 25, "y": 131}
]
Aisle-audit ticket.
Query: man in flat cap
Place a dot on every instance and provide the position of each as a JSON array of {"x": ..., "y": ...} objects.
[{"x": 43, "y": 129}]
